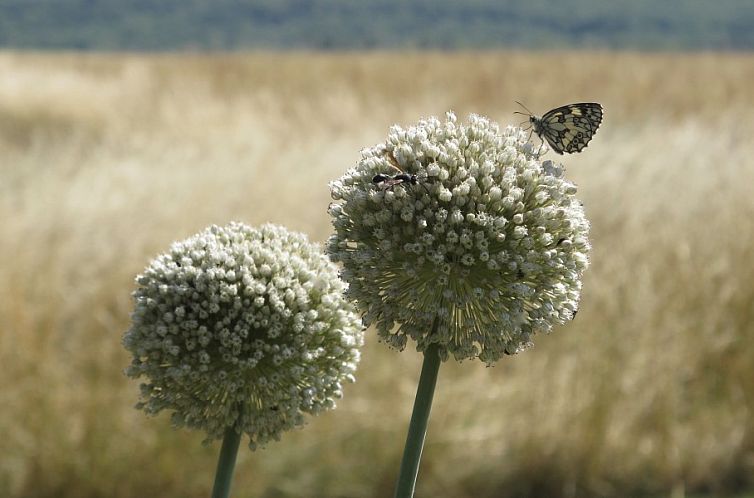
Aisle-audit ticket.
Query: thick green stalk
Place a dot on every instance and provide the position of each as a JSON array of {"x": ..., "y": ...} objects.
[
  {"x": 226, "y": 463},
  {"x": 417, "y": 429}
]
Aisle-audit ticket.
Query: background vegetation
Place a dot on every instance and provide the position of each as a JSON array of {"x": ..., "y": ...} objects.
[
  {"x": 104, "y": 160},
  {"x": 345, "y": 24}
]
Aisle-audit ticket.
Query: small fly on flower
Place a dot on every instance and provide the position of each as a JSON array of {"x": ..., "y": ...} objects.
[
  {"x": 385, "y": 181},
  {"x": 568, "y": 128}
]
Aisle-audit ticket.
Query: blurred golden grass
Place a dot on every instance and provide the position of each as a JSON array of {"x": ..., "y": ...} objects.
[{"x": 106, "y": 159}]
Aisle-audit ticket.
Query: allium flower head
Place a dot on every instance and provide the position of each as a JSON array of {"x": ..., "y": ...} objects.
[
  {"x": 237, "y": 320},
  {"x": 486, "y": 243}
]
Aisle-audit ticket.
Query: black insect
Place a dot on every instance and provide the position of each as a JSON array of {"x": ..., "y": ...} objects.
[{"x": 386, "y": 181}]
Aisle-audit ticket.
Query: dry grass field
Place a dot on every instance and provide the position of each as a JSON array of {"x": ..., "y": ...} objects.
[{"x": 106, "y": 159}]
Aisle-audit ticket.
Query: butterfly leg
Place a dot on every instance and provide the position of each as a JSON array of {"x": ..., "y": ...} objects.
[
  {"x": 542, "y": 142},
  {"x": 539, "y": 150}
]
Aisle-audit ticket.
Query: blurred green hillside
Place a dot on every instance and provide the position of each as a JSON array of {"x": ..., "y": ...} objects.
[{"x": 375, "y": 24}]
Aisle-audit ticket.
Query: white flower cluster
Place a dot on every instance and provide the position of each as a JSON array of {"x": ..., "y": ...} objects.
[
  {"x": 477, "y": 239},
  {"x": 242, "y": 327}
]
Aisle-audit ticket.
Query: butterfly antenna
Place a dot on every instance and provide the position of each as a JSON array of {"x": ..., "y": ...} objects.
[{"x": 522, "y": 105}]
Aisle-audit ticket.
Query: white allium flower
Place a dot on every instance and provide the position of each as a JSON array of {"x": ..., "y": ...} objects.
[
  {"x": 485, "y": 241},
  {"x": 238, "y": 320}
]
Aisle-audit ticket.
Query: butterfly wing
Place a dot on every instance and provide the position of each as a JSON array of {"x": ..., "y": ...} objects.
[{"x": 570, "y": 128}]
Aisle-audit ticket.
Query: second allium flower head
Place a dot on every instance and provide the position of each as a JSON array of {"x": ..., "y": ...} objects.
[
  {"x": 242, "y": 327},
  {"x": 485, "y": 250}
]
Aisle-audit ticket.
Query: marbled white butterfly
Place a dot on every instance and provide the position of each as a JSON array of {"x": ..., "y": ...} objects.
[{"x": 568, "y": 128}]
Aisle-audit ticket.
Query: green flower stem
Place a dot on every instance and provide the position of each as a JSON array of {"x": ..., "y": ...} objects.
[
  {"x": 417, "y": 429},
  {"x": 226, "y": 463}
]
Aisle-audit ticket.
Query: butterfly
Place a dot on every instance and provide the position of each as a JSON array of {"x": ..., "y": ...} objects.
[{"x": 568, "y": 128}]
